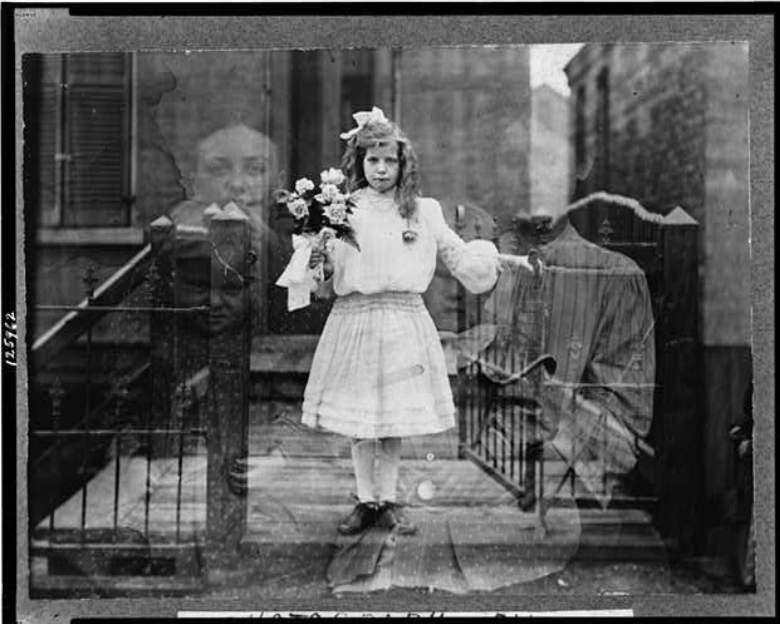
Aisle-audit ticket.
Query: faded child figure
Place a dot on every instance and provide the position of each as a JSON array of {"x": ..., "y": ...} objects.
[
  {"x": 379, "y": 371},
  {"x": 234, "y": 164}
]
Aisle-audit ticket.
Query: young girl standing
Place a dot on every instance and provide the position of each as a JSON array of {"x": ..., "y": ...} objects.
[{"x": 379, "y": 372}]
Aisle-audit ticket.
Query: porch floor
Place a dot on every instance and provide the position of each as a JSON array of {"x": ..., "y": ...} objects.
[{"x": 472, "y": 534}]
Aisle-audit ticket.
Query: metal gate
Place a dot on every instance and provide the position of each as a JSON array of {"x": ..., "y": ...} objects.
[
  {"x": 502, "y": 417},
  {"x": 499, "y": 389}
]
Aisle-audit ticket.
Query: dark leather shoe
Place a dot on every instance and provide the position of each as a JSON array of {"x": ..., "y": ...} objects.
[
  {"x": 362, "y": 517},
  {"x": 393, "y": 516}
]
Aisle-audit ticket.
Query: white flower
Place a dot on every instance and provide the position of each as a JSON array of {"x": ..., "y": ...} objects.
[
  {"x": 331, "y": 176},
  {"x": 330, "y": 193},
  {"x": 298, "y": 208},
  {"x": 303, "y": 184},
  {"x": 336, "y": 213}
]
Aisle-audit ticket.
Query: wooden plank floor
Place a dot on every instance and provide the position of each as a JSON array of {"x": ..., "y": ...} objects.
[
  {"x": 297, "y": 498},
  {"x": 128, "y": 505},
  {"x": 301, "y": 485},
  {"x": 275, "y": 427},
  {"x": 472, "y": 535},
  {"x": 276, "y": 484}
]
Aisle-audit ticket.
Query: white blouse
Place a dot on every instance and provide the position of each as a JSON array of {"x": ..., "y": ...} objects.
[{"x": 387, "y": 263}]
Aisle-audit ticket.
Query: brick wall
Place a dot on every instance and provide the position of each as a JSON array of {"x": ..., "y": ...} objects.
[
  {"x": 677, "y": 136},
  {"x": 657, "y": 131},
  {"x": 656, "y": 124}
]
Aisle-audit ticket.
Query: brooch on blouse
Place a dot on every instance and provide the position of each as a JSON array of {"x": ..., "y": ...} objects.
[{"x": 409, "y": 235}]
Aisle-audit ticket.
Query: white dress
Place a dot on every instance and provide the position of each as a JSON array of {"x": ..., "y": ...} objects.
[{"x": 379, "y": 368}]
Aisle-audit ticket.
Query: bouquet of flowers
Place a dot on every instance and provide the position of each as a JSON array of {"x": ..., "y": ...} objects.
[
  {"x": 325, "y": 214},
  {"x": 320, "y": 216}
]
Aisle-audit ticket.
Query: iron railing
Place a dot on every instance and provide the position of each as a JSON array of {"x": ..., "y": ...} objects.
[
  {"x": 124, "y": 458},
  {"x": 114, "y": 429}
]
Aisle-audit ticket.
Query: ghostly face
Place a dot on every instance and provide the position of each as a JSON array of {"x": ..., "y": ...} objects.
[
  {"x": 381, "y": 166},
  {"x": 196, "y": 285},
  {"x": 235, "y": 164}
]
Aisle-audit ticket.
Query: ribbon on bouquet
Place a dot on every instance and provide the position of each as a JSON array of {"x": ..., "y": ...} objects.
[{"x": 299, "y": 279}]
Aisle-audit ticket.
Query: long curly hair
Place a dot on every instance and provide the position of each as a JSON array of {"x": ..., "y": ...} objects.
[{"x": 376, "y": 134}]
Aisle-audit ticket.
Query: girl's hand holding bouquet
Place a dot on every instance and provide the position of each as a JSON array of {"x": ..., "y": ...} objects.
[
  {"x": 321, "y": 257},
  {"x": 319, "y": 217}
]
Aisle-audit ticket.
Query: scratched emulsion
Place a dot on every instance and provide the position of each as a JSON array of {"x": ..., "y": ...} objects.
[{"x": 212, "y": 144}]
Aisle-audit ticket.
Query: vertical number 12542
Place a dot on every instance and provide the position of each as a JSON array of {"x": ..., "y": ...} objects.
[{"x": 9, "y": 338}]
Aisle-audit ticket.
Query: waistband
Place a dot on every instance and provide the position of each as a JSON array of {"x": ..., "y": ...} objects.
[{"x": 396, "y": 300}]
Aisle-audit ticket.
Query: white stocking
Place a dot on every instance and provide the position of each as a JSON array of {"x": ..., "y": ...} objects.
[
  {"x": 363, "y": 461},
  {"x": 388, "y": 463}
]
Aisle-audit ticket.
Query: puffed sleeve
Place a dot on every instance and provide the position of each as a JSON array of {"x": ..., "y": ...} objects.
[{"x": 474, "y": 264}]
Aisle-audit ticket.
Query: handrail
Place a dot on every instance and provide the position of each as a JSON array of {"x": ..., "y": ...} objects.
[{"x": 88, "y": 311}]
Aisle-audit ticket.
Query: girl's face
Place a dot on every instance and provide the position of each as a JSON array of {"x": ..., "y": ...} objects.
[{"x": 381, "y": 166}]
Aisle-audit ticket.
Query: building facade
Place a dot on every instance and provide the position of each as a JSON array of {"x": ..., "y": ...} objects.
[
  {"x": 667, "y": 124},
  {"x": 112, "y": 139}
]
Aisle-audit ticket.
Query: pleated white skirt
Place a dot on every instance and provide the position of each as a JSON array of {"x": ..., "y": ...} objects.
[{"x": 379, "y": 370}]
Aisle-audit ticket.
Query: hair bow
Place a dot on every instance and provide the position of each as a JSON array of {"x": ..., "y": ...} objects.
[{"x": 376, "y": 115}]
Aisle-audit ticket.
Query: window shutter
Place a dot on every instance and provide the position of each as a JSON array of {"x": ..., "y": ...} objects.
[
  {"x": 97, "y": 139},
  {"x": 41, "y": 76},
  {"x": 47, "y": 156}
]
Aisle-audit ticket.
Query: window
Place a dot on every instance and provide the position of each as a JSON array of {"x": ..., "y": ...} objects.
[{"x": 77, "y": 114}]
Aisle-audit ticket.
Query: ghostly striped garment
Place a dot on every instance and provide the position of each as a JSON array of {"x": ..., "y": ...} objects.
[{"x": 592, "y": 312}]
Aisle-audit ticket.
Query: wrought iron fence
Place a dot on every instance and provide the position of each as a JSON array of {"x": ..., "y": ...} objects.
[
  {"x": 499, "y": 411},
  {"x": 121, "y": 462}
]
